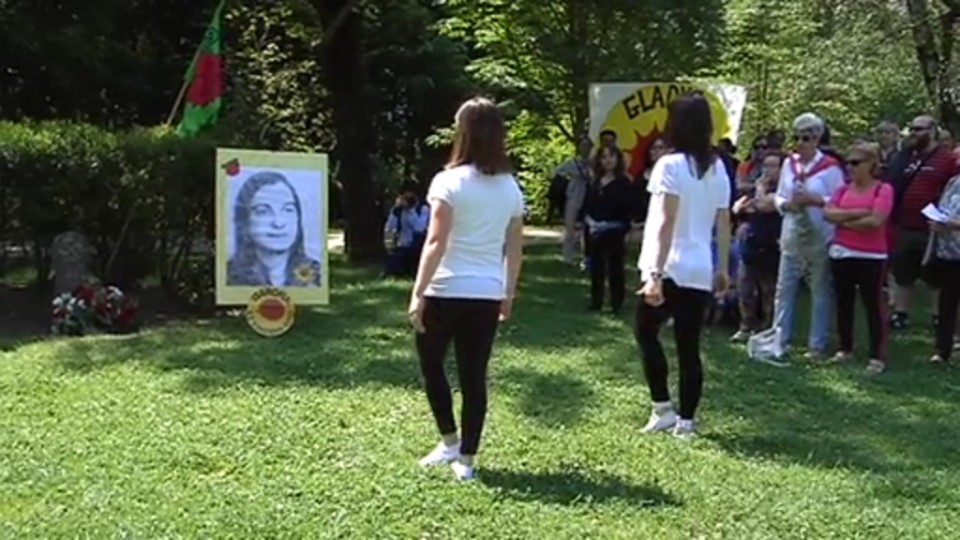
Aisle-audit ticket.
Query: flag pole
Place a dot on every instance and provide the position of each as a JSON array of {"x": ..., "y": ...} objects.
[
  {"x": 183, "y": 92},
  {"x": 186, "y": 81}
]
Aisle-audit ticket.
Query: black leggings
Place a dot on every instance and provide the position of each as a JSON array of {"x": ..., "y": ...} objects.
[
  {"x": 472, "y": 326},
  {"x": 948, "y": 303},
  {"x": 687, "y": 307},
  {"x": 869, "y": 276},
  {"x": 607, "y": 254}
]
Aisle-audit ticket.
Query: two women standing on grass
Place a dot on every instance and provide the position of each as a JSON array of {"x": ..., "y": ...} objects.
[{"x": 467, "y": 277}]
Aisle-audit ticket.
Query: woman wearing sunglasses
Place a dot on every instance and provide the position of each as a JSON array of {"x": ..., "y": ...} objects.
[{"x": 858, "y": 255}]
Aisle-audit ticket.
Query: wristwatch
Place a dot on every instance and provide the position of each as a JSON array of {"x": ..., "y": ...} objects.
[{"x": 655, "y": 275}]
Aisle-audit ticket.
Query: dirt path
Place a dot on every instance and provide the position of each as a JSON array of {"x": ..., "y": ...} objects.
[{"x": 532, "y": 236}]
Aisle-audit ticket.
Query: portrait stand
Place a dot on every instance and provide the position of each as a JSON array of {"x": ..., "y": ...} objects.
[
  {"x": 270, "y": 312},
  {"x": 272, "y": 233}
]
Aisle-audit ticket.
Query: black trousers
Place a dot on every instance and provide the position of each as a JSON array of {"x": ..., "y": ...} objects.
[
  {"x": 472, "y": 326},
  {"x": 687, "y": 307},
  {"x": 946, "y": 273},
  {"x": 868, "y": 276},
  {"x": 607, "y": 254}
]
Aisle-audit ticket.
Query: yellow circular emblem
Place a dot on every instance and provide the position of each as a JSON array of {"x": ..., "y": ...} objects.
[{"x": 270, "y": 312}]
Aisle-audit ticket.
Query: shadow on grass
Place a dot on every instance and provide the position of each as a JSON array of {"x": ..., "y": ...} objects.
[
  {"x": 553, "y": 400},
  {"x": 361, "y": 338},
  {"x": 573, "y": 488},
  {"x": 897, "y": 427}
]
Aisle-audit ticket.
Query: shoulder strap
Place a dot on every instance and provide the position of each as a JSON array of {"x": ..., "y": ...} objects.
[{"x": 842, "y": 191}]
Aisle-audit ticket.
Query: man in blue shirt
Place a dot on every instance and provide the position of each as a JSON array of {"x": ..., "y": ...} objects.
[{"x": 407, "y": 227}]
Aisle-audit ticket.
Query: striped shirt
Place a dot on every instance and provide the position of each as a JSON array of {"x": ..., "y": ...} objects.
[{"x": 926, "y": 186}]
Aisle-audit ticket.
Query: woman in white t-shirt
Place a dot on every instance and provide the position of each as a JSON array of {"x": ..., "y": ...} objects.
[
  {"x": 689, "y": 196},
  {"x": 467, "y": 276}
]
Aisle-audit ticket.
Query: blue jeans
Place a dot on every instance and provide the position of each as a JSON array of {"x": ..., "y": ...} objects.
[
  {"x": 735, "y": 249},
  {"x": 815, "y": 270}
]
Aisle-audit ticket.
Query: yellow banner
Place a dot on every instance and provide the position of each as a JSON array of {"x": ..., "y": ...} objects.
[{"x": 637, "y": 113}]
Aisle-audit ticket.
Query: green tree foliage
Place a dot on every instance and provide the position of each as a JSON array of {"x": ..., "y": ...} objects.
[
  {"x": 544, "y": 55},
  {"x": 539, "y": 58},
  {"x": 112, "y": 62},
  {"x": 934, "y": 26},
  {"x": 376, "y": 82},
  {"x": 850, "y": 60}
]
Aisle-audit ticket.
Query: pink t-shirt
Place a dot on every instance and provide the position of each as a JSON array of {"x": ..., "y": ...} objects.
[{"x": 878, "y": 198}]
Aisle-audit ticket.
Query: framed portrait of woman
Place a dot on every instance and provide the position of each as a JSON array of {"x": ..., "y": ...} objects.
[{"x": 271, "y": 225}]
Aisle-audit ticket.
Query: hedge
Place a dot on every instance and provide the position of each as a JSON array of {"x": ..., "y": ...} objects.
[{"x": 146, "y": 193}]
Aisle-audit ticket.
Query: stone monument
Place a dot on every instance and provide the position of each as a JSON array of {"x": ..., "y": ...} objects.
[{"x": 70, "y": 258}]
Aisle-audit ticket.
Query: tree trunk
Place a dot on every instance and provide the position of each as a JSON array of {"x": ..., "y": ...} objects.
[
  {"x": 579, "y": 69},
  {"x": 936, "y": 57},
  {"x": 345, "y": 76}
]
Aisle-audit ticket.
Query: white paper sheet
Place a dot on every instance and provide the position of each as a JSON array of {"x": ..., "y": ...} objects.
[{"x": 933, "y": 213}]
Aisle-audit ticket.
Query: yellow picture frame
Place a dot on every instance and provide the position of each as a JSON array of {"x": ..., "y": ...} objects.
[{"x": 259, "y": 242}]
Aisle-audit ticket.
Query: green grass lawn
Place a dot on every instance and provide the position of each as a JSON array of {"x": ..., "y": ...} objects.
[{"x": 208, "y": 431}]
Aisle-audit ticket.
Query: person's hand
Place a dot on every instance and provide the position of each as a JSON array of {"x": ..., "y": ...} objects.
[
  {"x": 805, "y": 198},
  {"x": 415, "y": 312},
  {"x": 799, "y": 199},
  {"x": 652, "y": 292},
  {"x": 506, "y": 308},
  {"x": 721, "y": 283},
  {"x": 950, "y": 225},
  {"x": 793, "y": 204}
]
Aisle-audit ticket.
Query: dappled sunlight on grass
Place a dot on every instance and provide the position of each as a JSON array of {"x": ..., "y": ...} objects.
[{"x": 208, "y": 429}]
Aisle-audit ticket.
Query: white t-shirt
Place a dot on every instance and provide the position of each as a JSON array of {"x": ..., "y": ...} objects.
[
  {"x": 483, "y": 205},
  {"x": 690, "y": 260}
]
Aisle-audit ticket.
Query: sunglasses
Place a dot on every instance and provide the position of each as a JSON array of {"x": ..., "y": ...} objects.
[
  {"x": 760, "y": 147},
  {"x": 855, "y": 162},
  {"x": 917, "y": 129},
  {"x": 802, "y": 138}
]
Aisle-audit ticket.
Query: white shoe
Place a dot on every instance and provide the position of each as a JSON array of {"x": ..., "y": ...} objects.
[
  {"x": 660, "y": 421},
  {"x": 685, "y": 429},
  {"x": 463, "y": 472},
  {"x": 440, "y": 455}
]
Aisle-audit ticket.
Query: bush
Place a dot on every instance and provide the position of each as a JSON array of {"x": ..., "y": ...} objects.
[
  {"x": 537, "y": 152},
  {"x": 142, "y": 197}
]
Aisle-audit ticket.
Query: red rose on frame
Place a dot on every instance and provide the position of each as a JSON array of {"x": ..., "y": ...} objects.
[{"x": 232, "y": 167}]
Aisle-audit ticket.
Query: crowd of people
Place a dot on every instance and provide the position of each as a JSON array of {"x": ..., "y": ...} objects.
[
  {"x": 871, "y": 221},
  {"x": 844, "y": 224}
]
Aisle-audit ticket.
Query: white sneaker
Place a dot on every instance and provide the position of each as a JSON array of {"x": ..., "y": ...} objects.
[
  {"x": 660, "y": 421},
  {"x": 440, "y": 455},
  {"x": 463, "y": 472},
  {"x": 685, "y": 429}
]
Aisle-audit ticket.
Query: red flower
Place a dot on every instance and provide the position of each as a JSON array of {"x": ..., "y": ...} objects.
[{"x": 84, "y": 292}]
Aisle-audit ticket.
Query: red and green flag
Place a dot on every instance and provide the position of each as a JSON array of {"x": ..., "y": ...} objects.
[{"x": 204, "y": 80}]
